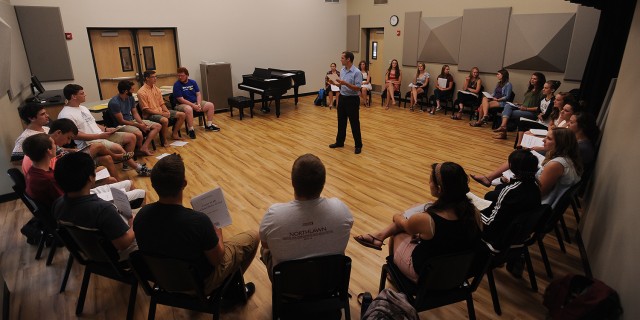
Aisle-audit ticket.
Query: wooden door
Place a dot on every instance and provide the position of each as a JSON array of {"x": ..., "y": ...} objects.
[
  {"x": 113, "y": 55},
  {"x": 157, "y": 49},
  {"x": 378, "y": 66}
]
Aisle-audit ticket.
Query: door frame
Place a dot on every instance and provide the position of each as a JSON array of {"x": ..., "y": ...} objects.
[{"x": 134, "y": 33}]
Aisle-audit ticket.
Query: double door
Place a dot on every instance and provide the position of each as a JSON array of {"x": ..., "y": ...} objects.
[{"x": 124, "y": 54}]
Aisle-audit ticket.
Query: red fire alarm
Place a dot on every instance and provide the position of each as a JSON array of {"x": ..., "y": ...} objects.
[
  {"x": 398, "y": 33},
  {"x": 68, "y": 36}
]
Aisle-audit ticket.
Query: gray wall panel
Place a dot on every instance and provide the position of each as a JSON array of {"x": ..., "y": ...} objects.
[
  {"x": 44, "y": 42},
  {"x": 410, "y": 40},
  {"x": 440, "y": 39},
  {"x": 353, "y": 33},
  {"x": 5, "y": 53},
  {"x": 584, "y": 31},
  {"x": 484, "y": 35}
]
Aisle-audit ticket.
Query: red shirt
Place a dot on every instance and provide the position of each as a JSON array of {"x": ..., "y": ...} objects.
[{"x": 42, "y": 187}]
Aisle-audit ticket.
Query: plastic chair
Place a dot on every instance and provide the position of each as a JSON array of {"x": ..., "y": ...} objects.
[
  {"x": 422, "y": 97},
  {"x": 396, "y": 94},
  {"x": 311, "y": 285},
  {"x": 472, "y": 106},
  {"x": 173, "y": 102},
  {"x": 177, "y": 283},
  {"x": 172, "y": 122},
  {"x": 443, "y": 281},
  {"x": 100, "y": 257},
  {"x": 514, "y": 242},
  {"x": 110, "y": 121}
]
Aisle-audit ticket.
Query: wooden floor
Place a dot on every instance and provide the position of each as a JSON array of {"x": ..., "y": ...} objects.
[{"x": 251, "y": 160}]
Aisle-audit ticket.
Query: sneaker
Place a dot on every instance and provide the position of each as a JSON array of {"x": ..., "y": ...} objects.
[
  {"x": 125, "y": 167},
  {"x": 212, "y": 127},
  {"x": 144, "y": 171},
  {"x": 192, "y": 134}
]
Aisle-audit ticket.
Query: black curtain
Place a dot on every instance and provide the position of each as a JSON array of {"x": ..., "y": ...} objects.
[{"x": 607, "y": 50}]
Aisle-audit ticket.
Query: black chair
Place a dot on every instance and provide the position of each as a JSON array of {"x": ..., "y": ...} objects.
[
  {"x": 472, "y": 106},
  {"x": 496, "y": 113},
  {"x": 99, "y": 256},
  {"x": 40, "y": 212},
  {"x": 110, "y": 121},
  {"x": 514, "y": 243},
  {"x": 311, "y": 285},
  {"x": 443, "y": 281},
  {"x": 173, "y": 102},
  {"x": 177, "y": 283},
  {"x": 172, "y": 122},
  {"x": 447, "y": 99},
  {"x": 422, "y": 98},
  {"x": 396, "y": 94}
]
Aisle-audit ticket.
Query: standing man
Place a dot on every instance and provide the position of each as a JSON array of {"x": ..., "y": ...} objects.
[
  {"x": 189, "y": 99},
  {"x": 154, "y": 109},
  {"x": 349, "y": 102},
  {"x": 122, "y": 106}
]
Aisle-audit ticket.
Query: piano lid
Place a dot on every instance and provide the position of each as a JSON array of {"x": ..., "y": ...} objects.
[{"x": 262, "y": 73}]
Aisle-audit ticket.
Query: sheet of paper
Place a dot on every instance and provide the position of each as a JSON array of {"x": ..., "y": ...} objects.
[
  {"x": 529, "y": 141},
  {"x": 507, "y": 174},
  {"x": 512, "y": 105},
  {"x": 539, "y": 132},
  {"x": 487, "y": 94},
  {"x": 467, "y": 92},
  {"x": 106, "y": 196},
  {"x": 121, "y": 201},
  {"x": 213, "y": 205},
  {"x": 478, "y": 202},
  {"x": 335, "y": 88},
  {"x": 333, "y": 77},
  {"x": 442, "y": 82},
  {"x": 162, "y": 156},
  {"x": 417, "y": 209},
  {"x": 102, "y": 174},
  {"x": 179, "y": 143},
  {"x": 527, "y": 119}
]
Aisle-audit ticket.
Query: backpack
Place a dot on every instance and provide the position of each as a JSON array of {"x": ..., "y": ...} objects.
[
  {"x": 320, "y": 99},
  {"x": 33, "y": 231},
  {"x": 579, "y": 297},
  {"x": 390, "y": 305}
]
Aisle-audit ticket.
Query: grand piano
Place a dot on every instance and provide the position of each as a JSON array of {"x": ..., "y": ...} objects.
[{"x": 272, "y": 83}]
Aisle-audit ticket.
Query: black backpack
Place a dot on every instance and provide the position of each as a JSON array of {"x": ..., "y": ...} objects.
[{"x": 389, "y": 305}]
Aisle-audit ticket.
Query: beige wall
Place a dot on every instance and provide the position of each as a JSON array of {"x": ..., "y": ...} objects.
[
  {"x": 377, "y": 16},
  {"x": 613, "y": 217}
]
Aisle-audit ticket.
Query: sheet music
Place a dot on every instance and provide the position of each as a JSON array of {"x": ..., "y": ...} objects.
[
  {"x": 333, "y": 78},
  {"x": 162, "y": 155},
  {"x": 538, "y": 132},
  {"x": 213, "y": 205},
  {"x": 121, "y": 201},
  {"x": 335, "y": 88},
  {"x": 179, "y": 143},
  {"x": 102, "y": 174},
  {"x": 529, "y": 141},
  {"x": 417, "y": 209},
  {"x": 468, "y": 92},
  {"x": 442, "y": 82},
  {"x": 487, "y": 94},
  {"x": 512, "y": 105},
  {"x": 478, "y": 202}
]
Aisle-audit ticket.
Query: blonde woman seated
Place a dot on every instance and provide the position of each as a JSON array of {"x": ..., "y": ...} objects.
[
  {"x": 560, "y": 169},
  {"x": 501, "y": 95},
  {"x": 366, "y": 83},
  {"x": 419, "y": 84},
  {"x": 393, "y": 78},
  {"x": 333, "y": 91},
  {"x": 451, "y": 224}
]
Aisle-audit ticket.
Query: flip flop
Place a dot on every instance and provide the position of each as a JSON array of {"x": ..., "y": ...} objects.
[
  {"x": 479, "y": 179},
  {"x": 369, "y": 244}
]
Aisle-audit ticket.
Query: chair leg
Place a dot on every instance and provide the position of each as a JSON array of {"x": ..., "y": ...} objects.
[
  {"x": 565, "y": 230},
  {"x": 470, "y": 308},
  {"x": 83, "y": 290},
  {"x": 532, "y": 274},
  {"x": 545, "y": 259},
  {"x": 583, "y": 255},
  {"x": 152, "y": 309},
  {"x": 575, "y": 203},
  {"x": 132, "y": 300},
  {"x": 347, "y": 312},
  {"x": 52, "y": 251},
  {"x": 560, "y": 239},
  {"x": 383, "y": 278},
  {"x": 494, "y": 292},
  {"x": 67, "y": 270},
  {"x": 43, "y": 239}
]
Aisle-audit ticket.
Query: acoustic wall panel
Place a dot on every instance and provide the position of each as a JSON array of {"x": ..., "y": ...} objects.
[
  {"x": 44, "y": 42},
  {"x": 353, "y": 33},
  {"x": 439, "y": 39},
  {"x": 216, "y": 83},
  {"x": 5, "y": 53},
  {"x": 409, "y": 43},
  {"x": 584, "y": 31},
  {"x": 483, "y": 39},
  {"x": 539, "y": 41}
]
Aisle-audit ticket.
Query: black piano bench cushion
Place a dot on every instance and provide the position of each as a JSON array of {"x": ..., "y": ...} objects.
[{"x": 240, "y": 103}]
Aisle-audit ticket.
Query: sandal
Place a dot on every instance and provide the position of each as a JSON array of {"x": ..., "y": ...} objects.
[
  {"x": 483, "y": 180},
  {"x": 500, "y": 129},
  {"x": 456, "y": 117},
  {"x": 501, "y": 135},
  {"x": 369, "y": 244},
  {"x": 125, "y": 157}
]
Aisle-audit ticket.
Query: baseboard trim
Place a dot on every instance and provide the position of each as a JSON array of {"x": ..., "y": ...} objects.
[{"x": 8, "y": 197}]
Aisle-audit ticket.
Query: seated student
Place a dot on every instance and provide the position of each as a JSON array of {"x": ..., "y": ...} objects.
[
  {"x": 154, "y": 109},
  {"x": 450, "y": 224},
  {"x": 392, "y": 81},
  {"x": 570, "y": 108},
  {"x": 189, "y": 99},
  {"x": 40, "y": 183},
  {"x": 166, "y": 227},
  {"x": 472, "y": 84},
  {"x": 333, "y": 91},
  {"x": 89, "y": 132},
  {"x": 500, "y": 97},
  {"x": 439, "y": 92},
  {"x": 547, "y": 110},
  {"x": 36, "y": 118},
  {"x": 419, "y": 84},
  {"x": 560, "y": 169},
  {"x": 75, "y": 175},
  {"x": 123, "y": 108},
  {"x": 511, "y": 199},
  {"x": 366, "y": 83},
  {"x": 308, "y": 212},
  {"x": 528, "y": 108},
  {"x": 584, "y": 126},
  {"x": 62, "y": 132}
]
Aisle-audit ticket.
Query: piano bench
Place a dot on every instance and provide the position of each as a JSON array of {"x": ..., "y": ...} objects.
[{"x": 240, "y": 103}]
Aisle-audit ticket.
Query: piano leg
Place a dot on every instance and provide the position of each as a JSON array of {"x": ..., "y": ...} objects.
[
  {"x": 295, "y": 94},
  {"x": 277, "y": 107}
]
